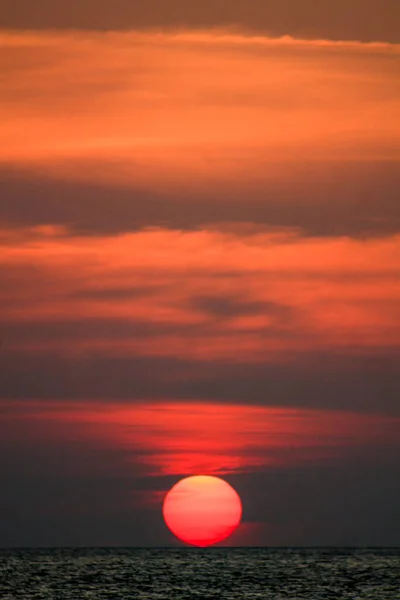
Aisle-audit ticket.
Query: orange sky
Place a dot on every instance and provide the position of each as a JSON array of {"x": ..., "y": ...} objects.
[
  {"x": 173, "y": 102},
  {"x": 208, "y": 295}
]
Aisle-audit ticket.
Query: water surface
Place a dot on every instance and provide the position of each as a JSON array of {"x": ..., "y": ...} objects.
[{"x": 189, "y": 573}]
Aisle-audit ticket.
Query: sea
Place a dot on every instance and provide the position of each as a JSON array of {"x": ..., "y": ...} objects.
[{"x": 191, "y": 573}]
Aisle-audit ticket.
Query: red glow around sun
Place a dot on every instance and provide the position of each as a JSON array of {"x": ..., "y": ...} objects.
[{"x": 202, "y": 510}]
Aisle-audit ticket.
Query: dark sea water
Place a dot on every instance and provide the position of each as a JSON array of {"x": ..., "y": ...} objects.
[{"x": 223, "y": 573}]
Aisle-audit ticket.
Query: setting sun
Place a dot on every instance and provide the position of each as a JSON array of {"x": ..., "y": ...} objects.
[{"x": 202, "y": 510}]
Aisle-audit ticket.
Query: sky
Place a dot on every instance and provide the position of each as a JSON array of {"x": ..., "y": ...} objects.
[{"x": 200, "y": 267}]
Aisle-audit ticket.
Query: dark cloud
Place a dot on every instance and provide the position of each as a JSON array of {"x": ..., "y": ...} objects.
[
  {"x": 347, "y": 502},
  {"x": 332, "y": 19},
  {"x": 116, "y": 293},
  {"x": 89, "y": 329},
  {"x": 321, "y": 198},
  {"x": 317, "y": 380},
  {"x": 78, "y": 491},
  {"x": 228, "y": 306}
]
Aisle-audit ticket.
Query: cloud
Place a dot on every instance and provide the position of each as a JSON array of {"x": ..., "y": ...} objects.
[
  {"x": 180, "y": 303},
  {"x": 226, "y": 307},
  {"x": 243, "y": 315},
  {"x": 375, "y": 20},
  {"x": 118, "y": 131},
  {"x": 146, "y": 99},
  {"x": 177, "y": 439},
  {"x": 322, "y": 199}
]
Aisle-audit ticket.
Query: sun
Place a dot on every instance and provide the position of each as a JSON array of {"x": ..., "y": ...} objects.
[{"x": 202, "y": 510}]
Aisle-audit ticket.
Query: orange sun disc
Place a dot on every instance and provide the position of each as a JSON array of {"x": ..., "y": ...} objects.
[{"x": 202, "y": 510}]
